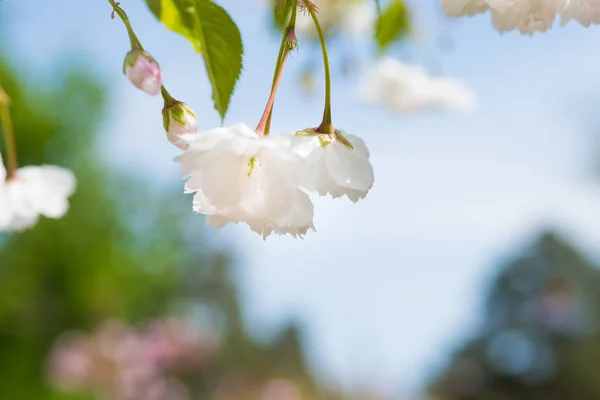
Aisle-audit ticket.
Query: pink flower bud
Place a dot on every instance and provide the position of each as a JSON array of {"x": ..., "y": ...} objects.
[
  {"x": 179, "y": 119},
  {"x": 143, "y": 71}
]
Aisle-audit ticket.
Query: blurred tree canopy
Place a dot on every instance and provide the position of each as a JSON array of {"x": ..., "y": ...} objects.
[
  {"x": 120, "y": 252},
  {"x": 540, "y": 339}
]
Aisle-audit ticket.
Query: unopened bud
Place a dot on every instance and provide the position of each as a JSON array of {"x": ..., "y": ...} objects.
[
  {"x": 179, "y": 119},
  {"x": 143, "y": 71}
]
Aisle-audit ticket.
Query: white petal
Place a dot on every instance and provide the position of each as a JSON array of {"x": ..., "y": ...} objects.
[
  {"x": 349, "y": 168},
  {"x": 293, "y": 209},
  {"x": 19, "y": 193},
  {"x": 22, "y": 222},
  {"x": 336, "y": 169},
  {"x": 216, "y": 221},
  {"x": 309, "y": 148},
  {"x": 224, "y": 179}
]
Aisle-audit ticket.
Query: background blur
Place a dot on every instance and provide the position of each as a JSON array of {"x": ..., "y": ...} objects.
[{"x": 470, "y": 271}]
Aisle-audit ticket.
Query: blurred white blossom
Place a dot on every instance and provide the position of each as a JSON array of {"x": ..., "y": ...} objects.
[
  {"x": 358, "y": 18},
  {"x": 239, "y": 176},
  {"x": 586, "y": 12},
  {"x": 355, "y": 18},
  {"x": 527, "y": 16},
  {"x": 406, "y": 89},
  {"x": 305, "y": 25},
  {"x": 31, "y": 192}
]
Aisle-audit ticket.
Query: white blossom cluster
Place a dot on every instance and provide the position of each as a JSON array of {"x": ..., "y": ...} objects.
[
  {"x": 238, "y": 175},
  {"x": 241, "y": 175},
  {"x": 527, "y": 16},
  {"x": 32, "y": 192}
]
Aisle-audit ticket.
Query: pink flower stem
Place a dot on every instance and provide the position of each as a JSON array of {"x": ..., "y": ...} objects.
[
  {"x": 288, "y": 42},
  {"x": 260, "y": 129}
]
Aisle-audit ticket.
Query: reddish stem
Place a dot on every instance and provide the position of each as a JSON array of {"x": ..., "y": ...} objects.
[{"x": 260, "y": 128}]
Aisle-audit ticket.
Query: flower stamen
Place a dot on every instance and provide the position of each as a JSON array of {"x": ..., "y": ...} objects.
[{"x": 251, "y": 163}]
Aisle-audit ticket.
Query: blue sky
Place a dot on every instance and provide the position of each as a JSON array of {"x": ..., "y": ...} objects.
[{"x": 390, "y": 285}]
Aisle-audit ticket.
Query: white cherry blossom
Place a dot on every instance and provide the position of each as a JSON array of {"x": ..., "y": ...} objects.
[
  {"x": 339, "y": 163},
  {"x": 32, "y": 192},
  {"x": 239, "y": 176},
  {"x": 526, "y": 16}
]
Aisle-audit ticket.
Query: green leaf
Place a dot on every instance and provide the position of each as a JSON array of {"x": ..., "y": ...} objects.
[
  {"x": 167, "y": 12},
  {"x": 155, "y": 6},
  {"x": 214, "y": 34},
  {"x": 282, "y": 12},
  {"x": 393, "y": 24},
  {"x": 222, "y": 50}
]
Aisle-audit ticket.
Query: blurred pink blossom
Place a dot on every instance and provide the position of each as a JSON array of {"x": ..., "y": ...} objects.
[
  {"x": 173, "y": 344},
  {"x": 280, "y": 389},
  {"x": 118, "y": 362},
  {"x": 70, "y": 365}
]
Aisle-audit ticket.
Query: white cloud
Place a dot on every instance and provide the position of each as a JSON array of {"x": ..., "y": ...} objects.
[{"x": 408, "y": 89}]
